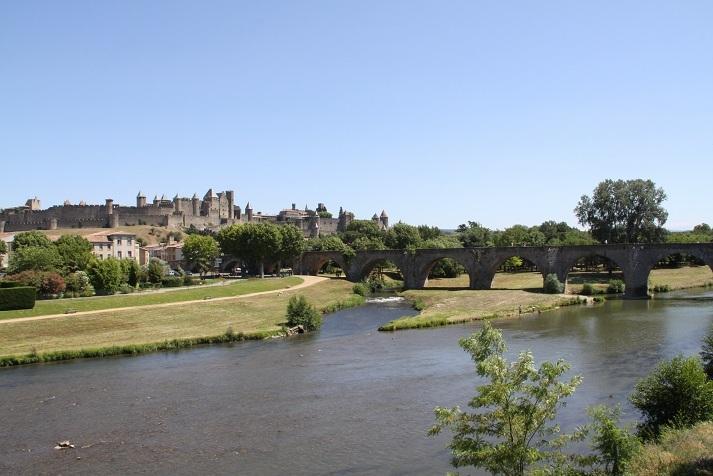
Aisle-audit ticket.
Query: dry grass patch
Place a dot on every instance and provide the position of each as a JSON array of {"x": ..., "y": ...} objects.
[{"x": 679, "y": 452}]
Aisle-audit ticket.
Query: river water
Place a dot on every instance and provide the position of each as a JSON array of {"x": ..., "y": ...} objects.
[{"x": 345, "y": 400}]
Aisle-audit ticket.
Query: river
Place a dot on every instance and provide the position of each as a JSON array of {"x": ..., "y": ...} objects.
[{"x": 344, "y": 400}]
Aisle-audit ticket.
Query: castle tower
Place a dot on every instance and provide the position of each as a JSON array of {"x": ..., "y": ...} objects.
[
  {"x": 155, "y": 200},
  {"x": 384, "y": 219},
  {"x": 230, "y": 195},
  {"x": 195, "y": 201},
  {"x": 109, "y": 206},
  {"x": 238, "y": 213},
  {"x": 176, "y": 205},
  {"x": 2, "y": 226},
  {"x": 375, "y": 218},
  {"x": 249, "y": 212},
  {"x": 140, "y": 200}
]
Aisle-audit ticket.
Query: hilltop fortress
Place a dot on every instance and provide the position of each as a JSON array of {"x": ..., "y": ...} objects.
[{"x": 213, "y": 211}]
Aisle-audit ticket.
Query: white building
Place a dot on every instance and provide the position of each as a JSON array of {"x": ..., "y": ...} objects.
[{"x": 114, "y": 245}]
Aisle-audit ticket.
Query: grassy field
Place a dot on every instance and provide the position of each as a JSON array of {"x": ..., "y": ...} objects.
[
  {"x": 442, "y": 303},
  {"x": 193, "y": 293},
  {"x": 150, "y": 234},
  {"x": 676, "y": 278},
  {"x": 146, "y": 325}
]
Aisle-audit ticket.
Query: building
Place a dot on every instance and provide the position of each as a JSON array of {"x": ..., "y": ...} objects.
[
  {"x": 171, "y": 253},
  {"x": 118, "y": 245}
]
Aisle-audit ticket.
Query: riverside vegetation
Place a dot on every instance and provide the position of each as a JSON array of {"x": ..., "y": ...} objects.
[{"x": 511, "y": 430}]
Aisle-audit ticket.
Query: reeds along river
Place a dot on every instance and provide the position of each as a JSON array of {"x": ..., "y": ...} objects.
[{"x": 345, "y": 400}]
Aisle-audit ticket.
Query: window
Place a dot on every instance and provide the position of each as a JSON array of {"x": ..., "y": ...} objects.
[
  {"x": 129, "y": 253},
  {"x": 128, "y": 241},
  {"x": 118, "y": 254},
  {"x": 118, "y": 242}
]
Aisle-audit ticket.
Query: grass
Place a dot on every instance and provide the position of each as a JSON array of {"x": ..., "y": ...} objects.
[
  {"x": 678, "y": 452},
  {"x": 147, "y": 326},
  {"x": 237, "y": 288}
]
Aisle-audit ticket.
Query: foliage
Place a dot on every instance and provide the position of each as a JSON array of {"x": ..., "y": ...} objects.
[
  {"x": 520, "y": 235},
  {"x": 31, "y": 239},
  {"x": 324, "y": 214},
  {"x": 615, "y": 446},
  {"x": 677, "y": 452},
  {"x": 78, "y": 285},
  {"x": 301, "y": 312},
  {"x": 553, "y": 285},
  {"x": 676, "y": 393},
  {"x": 21, "y": 297},
  {"x": 156, "y": 270},
  {"x": 364, "y": 235},
  {"x": 474, "y": 235},
  {"x": 587, "y": 289},
  {"x": 707, "y": 353},
  {"x": 402, "y": 236},
  {"x": 292, "y": 243},
  {"x": 624, "y": 211},
  {"x": 47, "y": 283},
  {"x": 106, "y": 275},
  {"x": 76, "y": 252},
  {"x": 326, "y": 243},
  {"x": 361, "y": 288},
  {"x": 131, "y": 271},
  {"x": 33, "y": 258},
  {"x": 171, "y": 281},
  {"x": 511, "y": 429},
  {"x": 616, "y": 286},
  {"x": 428, "y": 232},
  {"x": 254, "y": 242},
  {"x": 3, "y": 248},
  {"x": 201, "y": 252}
]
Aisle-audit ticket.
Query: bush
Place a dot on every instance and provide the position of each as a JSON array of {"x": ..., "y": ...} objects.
[
  {"x": 172, "y": 282},
  {"x": 47, "y": 283},
  {"x": 106, "y": 275},
  {"x": 677, "y": 393},
  {"x": 616, "y": 286},
  {"x": 587, "y": 289},
  {"x": 661, "y": 288},
  {"x": 17, "y": 298},
  {"x": 10, "y": 284},
  {"x": 78, "y": 285},
  {"x": 615, "y": 446},
  {"x": 375, "y": 283},
  {"x": 188, "y": 281},
  {"x": 707, "y": 353},
  {"x": 553, "y": 285},
  {"x": 156, "y": 270},
  {"x": 361, "y": 288},
  {"x": 301, "y": 312}
]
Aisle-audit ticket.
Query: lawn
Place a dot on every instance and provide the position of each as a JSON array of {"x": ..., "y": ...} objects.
[
  {"x": 146, "y": 325},
  {"x": 231, "y": 288}
]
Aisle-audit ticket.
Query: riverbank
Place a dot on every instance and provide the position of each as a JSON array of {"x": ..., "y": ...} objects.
[
  {"x": 515, "y": 294},
  {"x": 155, "y": 328}
]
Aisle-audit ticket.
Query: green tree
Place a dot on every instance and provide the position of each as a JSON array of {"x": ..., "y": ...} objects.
[
  {"x": 201, "y": 252},
  {"x": 253, "y": 242},
  {"x": 474, "y": 235},
  {"x": 615, "y": 446},
  {"x": 553, "y": 285},
  {"x": 131, "y": 271},
  {"x": 3, "y": 249},
  {"x": 402, "y": 236},
  {"x": 511, "y": 428},
  {"x": 106, "y": 275},
  {"x": 676, "y": 393},
  {"x": 30, "y": 239},
  {"x": 624, "y": 211},
  {"x": 364, "y": 232},
  {"x": 429, "y": 232},
  {"x": 301, "y": 313},
  {"x": 156, "y": 270},
  {"x": 292, "y": 243},
  {"x": 35, "y": 258},
  {"x": 76, "y": 252}
]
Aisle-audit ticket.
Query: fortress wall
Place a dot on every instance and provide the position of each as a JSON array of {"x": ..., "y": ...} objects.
[{"x": 184, "y": 205}]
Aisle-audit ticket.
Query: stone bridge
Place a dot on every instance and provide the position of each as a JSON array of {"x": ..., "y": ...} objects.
[{"x": 636, "y": 261}]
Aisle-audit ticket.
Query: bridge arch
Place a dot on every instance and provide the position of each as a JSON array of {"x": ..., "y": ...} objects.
[
  {"x": 655, "y": 258},
  {"x": 313, "y": 262},
  {"x": 426, "y": 264},
  {"x": 591, "y": 261}
]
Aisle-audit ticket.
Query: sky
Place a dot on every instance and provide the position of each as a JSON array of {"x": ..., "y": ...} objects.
[{"x": 439, "y": 112}]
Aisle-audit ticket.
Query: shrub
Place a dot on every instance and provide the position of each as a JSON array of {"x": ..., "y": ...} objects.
[
  {"x": 553, "y": 285},
  {"x": 17, "y": 298},
  {"x": 616, "y": 286},
  {"x": 661, "y": 288},
  {"x": 376, "y": 283},
  {"x": 156, "y": 270},
  {"x": 106, "y": 275},
  {"x": 10, "y": 284},
  {"x": 172, "y": 281},
  {"x": 78, "y": 285},
  {"x": 188, "y": 281},
  {"x": 361, "y": 288},
  {"x": 301, "y": 312},
  {"x": 587, "y": 289},
  {"x": 676, "y": 393},
  {"x": 46, "y": 283},
  {"x": 615, "y": 446}
]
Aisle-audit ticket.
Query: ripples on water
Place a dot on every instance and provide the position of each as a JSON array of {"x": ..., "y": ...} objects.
[{"x": 345, "y": 400}]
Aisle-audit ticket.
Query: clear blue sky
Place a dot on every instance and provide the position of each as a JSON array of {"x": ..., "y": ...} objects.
[{"x": 439, "y": 112}]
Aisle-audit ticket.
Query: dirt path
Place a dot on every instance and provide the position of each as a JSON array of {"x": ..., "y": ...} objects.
[{"x": 306, "y": 281}]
